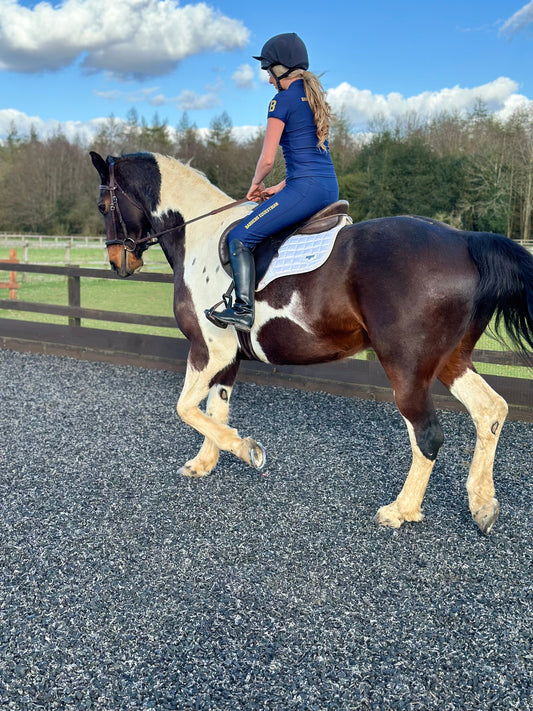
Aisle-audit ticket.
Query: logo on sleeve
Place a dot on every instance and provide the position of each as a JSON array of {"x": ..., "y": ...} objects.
[{"x": 272, "y": 106}]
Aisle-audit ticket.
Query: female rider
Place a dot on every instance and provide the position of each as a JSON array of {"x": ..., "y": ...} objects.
[{"x": 298, "y": 118}]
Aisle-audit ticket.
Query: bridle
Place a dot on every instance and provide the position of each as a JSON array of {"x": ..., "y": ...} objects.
[{"x": 129, "y": 243}]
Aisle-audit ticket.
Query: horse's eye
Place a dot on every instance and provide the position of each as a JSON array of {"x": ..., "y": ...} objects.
[{"x": 102, "y": 207}]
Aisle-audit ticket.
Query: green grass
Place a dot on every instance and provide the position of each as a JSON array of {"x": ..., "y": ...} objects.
[
  {"x": 83, "y": 256},
  {"x": 113, "y": 295}
]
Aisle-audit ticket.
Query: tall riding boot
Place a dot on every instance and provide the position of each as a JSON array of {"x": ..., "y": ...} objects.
[{"x": 241, "y": 314}]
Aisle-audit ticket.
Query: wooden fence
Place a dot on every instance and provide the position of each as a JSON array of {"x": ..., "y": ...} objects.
[
  {"x": 12, "y": 283},
  {"x": 350, "y": 377},
  {"x": 67, "y": 243}
]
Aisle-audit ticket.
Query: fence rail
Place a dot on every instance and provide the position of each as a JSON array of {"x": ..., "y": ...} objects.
[
  {"x": 6, "y": 238},
  {"x": 352, "y": 377}
]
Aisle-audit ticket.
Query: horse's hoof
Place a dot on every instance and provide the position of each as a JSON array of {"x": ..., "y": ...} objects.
[
  {"x": 258, "y": 456},
  {"x": 486, "y": 516},
  {"x": 391, "y": 516},
  {"x": 187, "y": 470},
  {"x": 388, "y": 516},
  {"x": 252, "y": 453}
]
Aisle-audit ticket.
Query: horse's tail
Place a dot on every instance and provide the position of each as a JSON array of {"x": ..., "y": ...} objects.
[{"x": 505, "y": 289}]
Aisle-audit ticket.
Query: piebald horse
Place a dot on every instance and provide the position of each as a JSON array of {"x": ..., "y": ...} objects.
[{"x": 417, "y": 291}]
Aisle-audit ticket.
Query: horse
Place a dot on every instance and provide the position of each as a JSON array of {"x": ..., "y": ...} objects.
[{"x": 419, "y": 292}]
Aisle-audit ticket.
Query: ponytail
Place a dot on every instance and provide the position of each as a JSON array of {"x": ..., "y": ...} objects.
[{"x": 316, "y": 96}]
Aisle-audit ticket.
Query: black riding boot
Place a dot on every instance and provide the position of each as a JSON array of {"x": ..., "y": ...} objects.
[{"x": 241, "y": 314}]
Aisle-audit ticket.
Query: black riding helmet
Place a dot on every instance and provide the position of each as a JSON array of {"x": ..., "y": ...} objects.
[{"x": 287, "y": 49}]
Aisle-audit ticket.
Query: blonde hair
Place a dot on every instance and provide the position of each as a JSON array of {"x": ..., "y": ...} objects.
[{"x": 316, "y": 96}]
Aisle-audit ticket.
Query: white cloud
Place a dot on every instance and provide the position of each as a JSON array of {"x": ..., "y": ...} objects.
[
  {"x": 358, "y": 106},
  {"x": 130, "y": 38},
  {"x": 361, "y": 106},
  {"x": 24, "y": 125},
  {"x": 85, "y": 131},
  {"x": 264, "y": 76},
  {"x": 191, "y": 101},
  {"x": 521, "y": 19},
  {"x": 188, "y": 100},
  {"x": 246, "y": 133},
  {"x": 147, "y": 94},
  {"x": 244, "y": 77}
]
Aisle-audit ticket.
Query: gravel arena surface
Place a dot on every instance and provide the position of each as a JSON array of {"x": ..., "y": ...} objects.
[{"x": 124, "y": 586}]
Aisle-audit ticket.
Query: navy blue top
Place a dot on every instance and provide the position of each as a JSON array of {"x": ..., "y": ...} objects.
[{"x": 299, "y": 139}]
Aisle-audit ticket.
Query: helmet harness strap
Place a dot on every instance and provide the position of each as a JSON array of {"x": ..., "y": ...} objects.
[{"x": 278, "y": 79}]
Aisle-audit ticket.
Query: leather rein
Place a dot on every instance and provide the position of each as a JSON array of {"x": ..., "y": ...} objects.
[{"x": 129, "y": 243}]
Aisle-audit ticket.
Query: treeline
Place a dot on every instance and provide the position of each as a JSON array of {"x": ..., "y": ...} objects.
[{"x": 474, "y": 172}]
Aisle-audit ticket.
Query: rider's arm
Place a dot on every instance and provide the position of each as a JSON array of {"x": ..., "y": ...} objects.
[{"x": 266, "y": 160}]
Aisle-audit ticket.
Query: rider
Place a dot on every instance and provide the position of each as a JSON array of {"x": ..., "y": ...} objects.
[{"x": 298, "y": 118}]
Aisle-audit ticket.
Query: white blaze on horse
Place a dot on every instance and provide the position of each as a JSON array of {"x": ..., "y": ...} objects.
[{"x": 417, "y": 291}]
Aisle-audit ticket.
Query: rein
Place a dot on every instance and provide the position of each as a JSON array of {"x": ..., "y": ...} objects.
[
  {"x": 200, "y": 217},
  {"x": 129, "y": 243}
]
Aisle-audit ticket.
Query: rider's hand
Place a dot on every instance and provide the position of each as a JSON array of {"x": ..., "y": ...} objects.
[
  {"x": 255, "y": 192},
  {"x": 268, "y": 192}
]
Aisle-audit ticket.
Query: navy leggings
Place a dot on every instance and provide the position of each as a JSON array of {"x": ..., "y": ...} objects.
[{"x": 299, "y": 199}]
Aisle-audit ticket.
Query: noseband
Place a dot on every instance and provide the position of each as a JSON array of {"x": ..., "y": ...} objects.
[{"x": 129, "y": 243}]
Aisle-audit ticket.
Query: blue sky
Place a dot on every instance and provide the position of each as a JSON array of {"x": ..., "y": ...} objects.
[{"x": 71, "y": 64}]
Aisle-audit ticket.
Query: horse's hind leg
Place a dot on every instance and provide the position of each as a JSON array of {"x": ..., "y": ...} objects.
[
  {"x": 426, "y": 437},
  {"x": 488, "y": 411}
]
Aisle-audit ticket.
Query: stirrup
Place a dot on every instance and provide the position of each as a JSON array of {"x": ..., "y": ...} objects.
[{"x": 228, "y": 303}]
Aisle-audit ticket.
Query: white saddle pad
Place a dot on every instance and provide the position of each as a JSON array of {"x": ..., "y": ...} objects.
[{"x": 302, "y": 253}]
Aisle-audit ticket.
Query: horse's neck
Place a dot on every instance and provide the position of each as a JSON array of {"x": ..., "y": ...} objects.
[{"x": 185, "y": 190}]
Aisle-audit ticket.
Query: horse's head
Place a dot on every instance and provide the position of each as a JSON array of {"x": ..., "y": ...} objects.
[{"x": 125, "y": 219}]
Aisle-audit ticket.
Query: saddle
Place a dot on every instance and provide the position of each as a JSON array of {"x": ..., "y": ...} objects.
[{"x": 324, "y": 220}]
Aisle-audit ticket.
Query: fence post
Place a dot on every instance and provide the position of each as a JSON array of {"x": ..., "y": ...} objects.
[
  {"x": 12, "y": 284},
  {"x": 74, "y": 298}
]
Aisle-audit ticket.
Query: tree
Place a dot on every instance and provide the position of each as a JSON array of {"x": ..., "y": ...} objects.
[
  {"x": 342, "y": 145},
  {"x": 486, "y": 200},
  {"x": 520, "y": 131},
  {"x": 475, "y": 172},
  {"x": 397, "y": 175},
  {"x": 187, "y": 140},
  {"x": 155, "y": 137},
  {"x": 220, "y": 129}
]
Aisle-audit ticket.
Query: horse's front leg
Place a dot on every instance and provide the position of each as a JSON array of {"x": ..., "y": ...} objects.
[
  {"x": 218, "y": 409},
  {"x": 217, "y": 387}
]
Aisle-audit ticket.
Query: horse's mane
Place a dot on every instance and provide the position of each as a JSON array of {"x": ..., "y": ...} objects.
[
  {"x": 166, "y": 184},
  {"x": 182, "y": 183}
]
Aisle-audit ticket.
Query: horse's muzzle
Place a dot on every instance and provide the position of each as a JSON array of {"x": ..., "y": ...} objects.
[{"x": 122, "y": 261}]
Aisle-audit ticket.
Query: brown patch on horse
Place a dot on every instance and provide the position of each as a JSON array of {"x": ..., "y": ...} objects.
[
  {"x": 461, "y": 359},
  {"x": 225, "y": 378},
  {"x": 187, "y": 320},
  {"x": 283, "y": 341}
]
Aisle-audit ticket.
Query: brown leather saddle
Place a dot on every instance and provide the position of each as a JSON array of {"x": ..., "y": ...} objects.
[{"x": 325, "y": 219}]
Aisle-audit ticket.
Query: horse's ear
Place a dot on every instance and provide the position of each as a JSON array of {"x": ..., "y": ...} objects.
[{"x": 100, "y": 165}]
